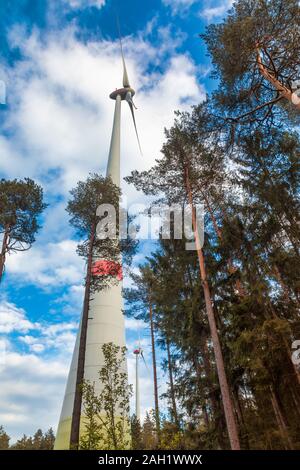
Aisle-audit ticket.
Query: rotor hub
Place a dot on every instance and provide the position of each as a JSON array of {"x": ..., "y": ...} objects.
[{"x": 122, "y": 92}]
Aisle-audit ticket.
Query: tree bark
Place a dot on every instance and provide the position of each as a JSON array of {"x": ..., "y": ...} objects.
[
  {"x": 225, "y": 392},
  {"x": 170, "y": 367},
  {"x": 75, "y": 424},
  {"x": 157, "y": 419},
  {"x": 4, "y": 250},
  {"x": 205, "y": 416},
  {"x": 282, "y": 89},
  {"x": 282, "y": 424},
  {"x": 208, "y": 373}
]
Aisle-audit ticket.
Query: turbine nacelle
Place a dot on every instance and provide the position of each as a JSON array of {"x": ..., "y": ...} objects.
[{"x": 123, "y": 92}]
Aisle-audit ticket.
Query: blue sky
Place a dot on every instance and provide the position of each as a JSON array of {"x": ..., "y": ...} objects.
[{"x": 60, "y": 60}]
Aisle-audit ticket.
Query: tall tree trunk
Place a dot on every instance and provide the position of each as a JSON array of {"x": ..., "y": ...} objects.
[
  {"x": 215, "y": 405},
  {"x": 225, "y": 392},
  {"x": 173, "y": 399},
  {"x": 208, "y": 373},
  {"x": 157, "y": 418},
  {"x": 282, "y": 424},
  {"x": 75, "y": 425},
  {"x": 280, "y": 281},
  {"x": 205, "y": 416},
  {"x": 240, "y": 417},
  {"x": 4, "y": 250}
]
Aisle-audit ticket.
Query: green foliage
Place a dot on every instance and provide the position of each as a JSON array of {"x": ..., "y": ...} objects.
[
  {"x": 86, "y": 197},
  {"x": 92, "y": 436},
  {"x": 39, "y": 441},
  {"x": 136, "y": 434},
  {"x": 4, "y": 439},
  {"x": 270, "y": 28},
  {"x": 149, "y": 436},
  {"x": 21, "y": 204},
  {"x": 106, "y": 414}
]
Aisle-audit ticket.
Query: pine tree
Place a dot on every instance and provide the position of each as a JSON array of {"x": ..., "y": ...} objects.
[
  {"x": 136, "y": 434},
  {"x": 21, "y": 204},
  {"x": 4, "y": 439},
  {"x": 48, "y": 440},
  {"x": 255, "y": 53}
]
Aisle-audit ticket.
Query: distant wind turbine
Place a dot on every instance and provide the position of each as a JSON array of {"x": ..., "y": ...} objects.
[{"x": 138, "y": 353}]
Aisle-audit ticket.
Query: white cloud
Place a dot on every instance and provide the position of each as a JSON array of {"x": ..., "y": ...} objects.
[
  {"x": 179, "y": 6},
  {"x": 81, "y": 4},
  {"x": 32, "y": 385},
  {"x": 62, "y": 115},
  {"x": 135, "y": 325},
  {"x": 43, "y": 335},
  {"x": 56, "y": 336},
  {"x": 216, "y": 9},
  {"x": 31, "y": 392},
  {"x": 52, "y": 264},
  {"x": 13, "y": 319}
]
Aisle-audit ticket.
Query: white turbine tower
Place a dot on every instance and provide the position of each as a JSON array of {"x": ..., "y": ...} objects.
[
  {"x": 102, "y": 322},
  {"x": 138, "y": 352}
]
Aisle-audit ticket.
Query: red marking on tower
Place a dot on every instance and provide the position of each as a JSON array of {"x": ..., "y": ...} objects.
[{"x": 107, "y": 268}]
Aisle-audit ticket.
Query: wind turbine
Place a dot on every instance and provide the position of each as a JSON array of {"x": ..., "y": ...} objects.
[
  {"x": 121, "y": 94},
  {"x": 138, "y": 352},
  {"x": 103, "y": 320}
]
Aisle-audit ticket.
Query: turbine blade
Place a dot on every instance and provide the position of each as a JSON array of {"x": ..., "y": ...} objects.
[
  {"x": 130, "y": 102},
  {"x": 126, "y": 83}
]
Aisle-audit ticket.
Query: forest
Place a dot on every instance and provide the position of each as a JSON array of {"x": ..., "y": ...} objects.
[{"x": 238, "y": 154}]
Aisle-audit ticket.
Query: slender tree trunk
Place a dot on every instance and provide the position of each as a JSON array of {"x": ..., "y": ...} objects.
[
  {"x": 208, "y": 373},
  {"x": 240, "y": 417},
  {"x": 205, "y": 415},
  {"x": 282, "y": 424},
  {"x": 157, "y": 419},
  {"x": 173, "y": 399},
  {"x": 215, "y": 405},
  {"x": 75, "y": 425},
  {"x": 4, "y": 251},
  {"x": 225, "y": 392},
  {"x": 113, "y": 427},
  {"x": 284, "y": 287}
]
